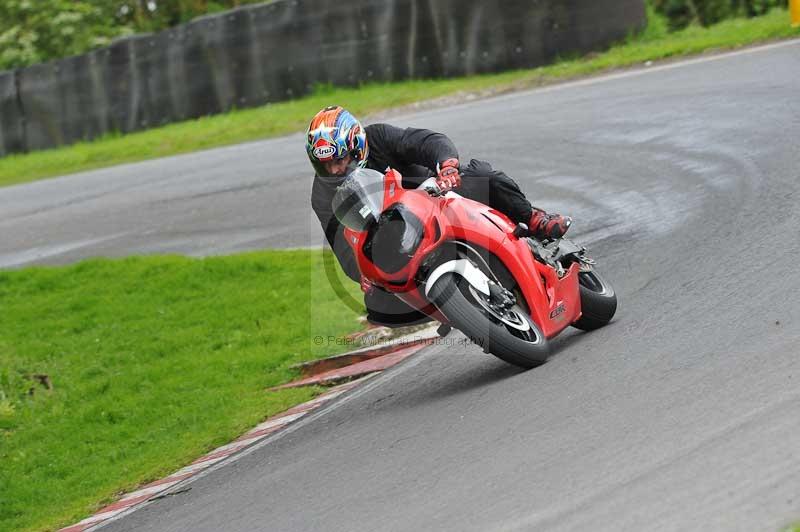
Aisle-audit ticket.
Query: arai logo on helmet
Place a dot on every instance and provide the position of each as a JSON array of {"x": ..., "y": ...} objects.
[{"x": 323, "y": 152}]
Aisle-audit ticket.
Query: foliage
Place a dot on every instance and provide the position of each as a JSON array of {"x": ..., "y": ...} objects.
[
  {"x": 155, "y": 15},
  {"x": 657, "y": 26},
  {"x": 682, "y": 13},
  {"x": 32, "y": 31}
]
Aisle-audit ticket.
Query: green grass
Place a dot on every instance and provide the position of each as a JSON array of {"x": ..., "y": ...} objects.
[
  {"x": 153, "y": 361},
  {"x": 287, "y": 117}
]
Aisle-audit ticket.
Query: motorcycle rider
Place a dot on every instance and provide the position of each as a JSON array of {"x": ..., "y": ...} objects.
[{"x": 336, "y": 144}]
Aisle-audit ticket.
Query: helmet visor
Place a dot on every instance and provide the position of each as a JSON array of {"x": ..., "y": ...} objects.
[{"x": 358, "y": 201}]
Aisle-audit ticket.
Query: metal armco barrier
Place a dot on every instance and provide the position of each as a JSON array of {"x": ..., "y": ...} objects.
[
  {"x": 12, "y": 122},
  {"x": 281, "y": 50}
]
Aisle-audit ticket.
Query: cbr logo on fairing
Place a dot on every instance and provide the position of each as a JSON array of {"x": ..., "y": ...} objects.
[
  {"x": 324, "y": 152},
  {"x": 561, "y": 309}
]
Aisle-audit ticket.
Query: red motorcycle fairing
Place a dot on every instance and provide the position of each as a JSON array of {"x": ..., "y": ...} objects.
[{"x": 553, "y": 302}]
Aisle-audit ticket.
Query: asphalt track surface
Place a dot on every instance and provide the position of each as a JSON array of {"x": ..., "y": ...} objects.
[{"x": 683, "y": 414}]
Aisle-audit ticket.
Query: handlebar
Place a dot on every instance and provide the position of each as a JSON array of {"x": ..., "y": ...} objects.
[{"x": 430, "y": 186}]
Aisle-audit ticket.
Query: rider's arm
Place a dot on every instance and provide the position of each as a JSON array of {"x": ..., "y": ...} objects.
[
  {"x": 411, "y": 145},
  {"x": 343, "y": 251},
  {"x": 334, "y": 231}
]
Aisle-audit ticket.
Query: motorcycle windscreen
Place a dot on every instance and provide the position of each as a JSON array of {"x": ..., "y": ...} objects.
[{"x": 358, "y": 201}]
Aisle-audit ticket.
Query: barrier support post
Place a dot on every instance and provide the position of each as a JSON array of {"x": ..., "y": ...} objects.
[{"x": 794, "y": 10}]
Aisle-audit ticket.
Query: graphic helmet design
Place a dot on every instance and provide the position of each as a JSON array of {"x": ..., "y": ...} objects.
[{"x": 332, "y": 134}]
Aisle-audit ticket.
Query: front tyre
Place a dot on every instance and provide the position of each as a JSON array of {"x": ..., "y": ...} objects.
[
  {"x": 598, "y": 301},
  {"x": 512, "y": 337}
]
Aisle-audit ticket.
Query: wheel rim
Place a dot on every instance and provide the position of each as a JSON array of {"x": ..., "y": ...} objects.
[
  {"x": 515, "y": 320},
  {"x": 592, "y": 281}
]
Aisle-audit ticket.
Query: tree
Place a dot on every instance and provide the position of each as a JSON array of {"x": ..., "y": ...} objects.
[{"x": 32, "y": 31}]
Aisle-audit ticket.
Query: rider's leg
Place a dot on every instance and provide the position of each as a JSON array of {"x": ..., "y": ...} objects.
[{"x": 483, "y": 183}]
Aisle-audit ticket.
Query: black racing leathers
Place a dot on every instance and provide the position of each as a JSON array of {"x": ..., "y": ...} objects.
[{"x": 414, "y": 153}]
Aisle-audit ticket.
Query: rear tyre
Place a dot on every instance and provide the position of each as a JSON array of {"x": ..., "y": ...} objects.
[
  {"x": 598, "y": 301},
  {"x": 515, "y": 338}
]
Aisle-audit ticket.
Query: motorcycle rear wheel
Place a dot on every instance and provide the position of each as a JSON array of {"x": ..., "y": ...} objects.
[
  {"x": 598, "y": 301},
  {"x": 524, "y": 348}
]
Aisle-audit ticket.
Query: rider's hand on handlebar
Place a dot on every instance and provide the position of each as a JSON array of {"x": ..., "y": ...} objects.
[{"x": 448, "y": 176}]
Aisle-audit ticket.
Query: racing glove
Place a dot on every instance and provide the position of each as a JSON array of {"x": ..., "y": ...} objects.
[{"x": 448, "y": 177}]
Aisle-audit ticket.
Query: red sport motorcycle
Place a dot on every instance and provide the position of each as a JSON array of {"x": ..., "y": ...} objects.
[{"x": 470, "y": 267}]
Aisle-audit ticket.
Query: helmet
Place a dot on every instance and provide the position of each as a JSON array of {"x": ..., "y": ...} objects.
[{"x": 332, "y": 134}]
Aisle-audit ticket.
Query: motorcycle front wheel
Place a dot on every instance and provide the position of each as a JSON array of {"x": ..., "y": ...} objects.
[{"x": 512, "y": 336}]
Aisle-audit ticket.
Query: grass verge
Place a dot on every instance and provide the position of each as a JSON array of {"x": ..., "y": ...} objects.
[
  {"x": 152, "y": 361},
  {"x": 292, "y": 116}
]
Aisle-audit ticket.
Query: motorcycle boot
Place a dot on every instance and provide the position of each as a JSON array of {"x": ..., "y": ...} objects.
[{"x": 545, "y": 225}]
